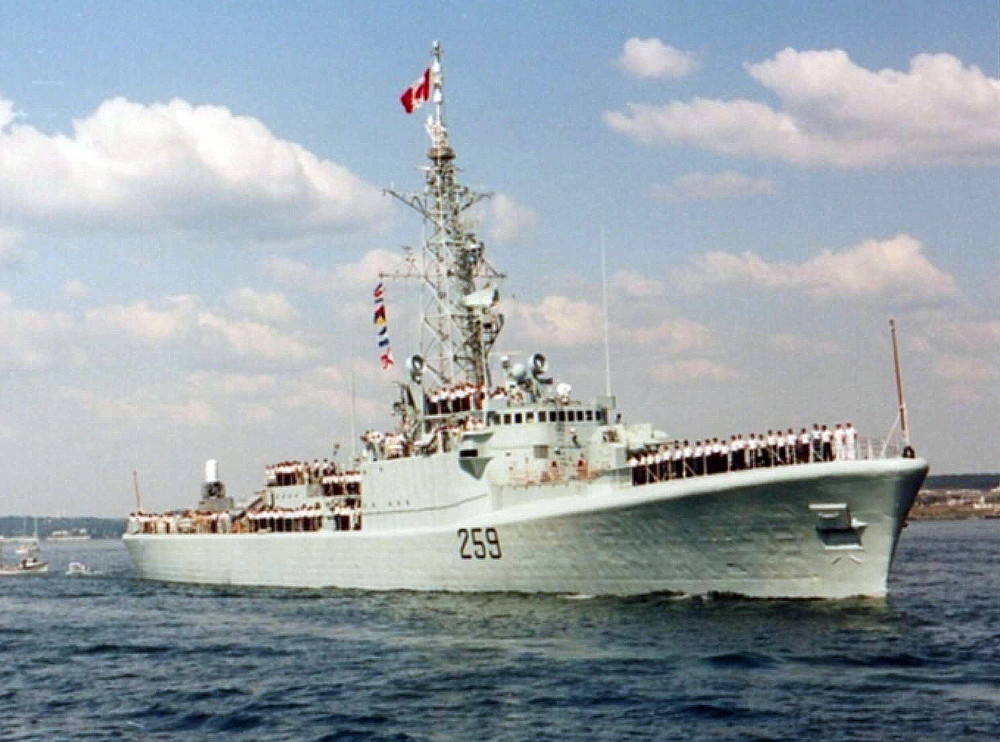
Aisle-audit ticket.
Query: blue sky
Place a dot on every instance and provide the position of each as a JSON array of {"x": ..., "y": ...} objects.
[{"x": 191, "y": 220}]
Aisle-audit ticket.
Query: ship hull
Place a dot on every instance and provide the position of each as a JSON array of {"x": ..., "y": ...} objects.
[{"x": 812, "y": 531}]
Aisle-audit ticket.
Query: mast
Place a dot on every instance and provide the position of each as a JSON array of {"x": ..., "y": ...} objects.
[
  {"x": 904, "y": 431},
  {"x": 458, "y": 323}
]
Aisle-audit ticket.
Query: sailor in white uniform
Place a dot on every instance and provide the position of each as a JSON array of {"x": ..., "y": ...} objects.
[{"x": 850, "y": 442}]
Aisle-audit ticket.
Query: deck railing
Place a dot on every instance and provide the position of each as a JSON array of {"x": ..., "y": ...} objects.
[{"x": 654, "y": 467}]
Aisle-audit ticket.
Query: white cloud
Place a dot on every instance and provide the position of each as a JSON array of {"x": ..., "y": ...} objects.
[
  {"x": 964, "y": 352},
  {"x": 304, "y": 277},
  {"x": 970, "y": 334},
  {"x": 556, "y": 320},
  {"x": 967, "y": 378},
  {"x": 183, "y": 320},
  {"x": 232, "y": 384},
  {"x": 264, "y": 305},
  {"x": 678, "y": 335},
  {"x": 174, "y": 166},
  {"x": 11, "y": 252},
  {"x": 786, "y": 342},
  {"x": 694, "y": 369},
  {"x": 74, "y": 289},
  {"x": 510, "y": 220},
  {"x": 634, "y": 284},
  {"x": 652, "y": 58},
  {"x": 141, "y": 406},
  {"x": 320, "y": 388},
  {"x": 32, "y": 339},
  {"x": 709, "y": 187},
  {"x": 965, "y": 369},
  {"x": 247, "y": 339},
  {"x": 834, "y": 112},
  {"x": 154, "y": 322},
  {"x": 895, "y": 269}
]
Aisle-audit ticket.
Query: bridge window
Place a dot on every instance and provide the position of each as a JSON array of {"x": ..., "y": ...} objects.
[
  {"x": 542, "y": 415},
  {"x": 517, "y": 418},
  {"x": 506, "y": 418},
  {"x": 529, "y": 417},
  {"x": 590, "y": 415}
]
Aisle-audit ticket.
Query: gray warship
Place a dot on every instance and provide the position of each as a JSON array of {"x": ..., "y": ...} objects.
[{"x": 496, "y": 478}]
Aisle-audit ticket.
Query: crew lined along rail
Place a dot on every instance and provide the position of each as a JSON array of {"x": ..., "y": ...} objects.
[
  {"x": 681, "y": 459},
  {"x": 325, "y": 472},
  {"x": 260, "y": 520}
]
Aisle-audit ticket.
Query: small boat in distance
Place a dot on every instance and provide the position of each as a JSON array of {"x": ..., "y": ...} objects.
[{"x": 30, "y": 559}]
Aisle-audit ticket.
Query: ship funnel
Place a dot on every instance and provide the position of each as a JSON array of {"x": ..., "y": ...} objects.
[
  {"x": 211, "y": 471},
  {"x": 213, "y": 491}
]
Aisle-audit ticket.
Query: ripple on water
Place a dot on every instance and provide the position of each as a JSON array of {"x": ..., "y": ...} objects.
[{"x": 122, "y": 659}]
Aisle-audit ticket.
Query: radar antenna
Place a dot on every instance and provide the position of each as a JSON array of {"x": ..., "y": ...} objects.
[{"x": 459, "y": 322}]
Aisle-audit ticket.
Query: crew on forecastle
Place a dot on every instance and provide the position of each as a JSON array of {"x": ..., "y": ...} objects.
[
  {"x": 256, "y": 519},
  {"x": 714, "y": 456}
]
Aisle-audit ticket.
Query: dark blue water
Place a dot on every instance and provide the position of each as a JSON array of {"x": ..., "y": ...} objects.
[{"x": 112, "y": 658}]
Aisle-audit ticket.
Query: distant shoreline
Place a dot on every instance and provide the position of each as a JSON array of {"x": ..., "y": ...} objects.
[{"x": 957, "y": 502}]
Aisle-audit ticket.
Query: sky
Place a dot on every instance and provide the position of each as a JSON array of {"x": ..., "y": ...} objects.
[{"x": 192, "y": 220}]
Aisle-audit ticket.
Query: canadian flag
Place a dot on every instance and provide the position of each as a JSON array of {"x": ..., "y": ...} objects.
[{"x": 418, "y": 93}]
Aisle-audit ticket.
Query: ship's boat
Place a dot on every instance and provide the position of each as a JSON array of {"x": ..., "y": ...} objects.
[{"x": 497, "y": 478}]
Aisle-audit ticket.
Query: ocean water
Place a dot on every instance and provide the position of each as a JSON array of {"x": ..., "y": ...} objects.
[{"x": 112, "y": 658}]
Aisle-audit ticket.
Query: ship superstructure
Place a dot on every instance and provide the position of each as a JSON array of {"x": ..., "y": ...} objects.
[{"x": 506, "y": 481}]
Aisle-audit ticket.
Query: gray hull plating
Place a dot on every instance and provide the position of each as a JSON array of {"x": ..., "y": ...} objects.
[{"x": 813, "y": 531}]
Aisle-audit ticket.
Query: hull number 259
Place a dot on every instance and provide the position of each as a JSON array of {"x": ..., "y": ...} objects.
[{"x": 479, "y": 543}]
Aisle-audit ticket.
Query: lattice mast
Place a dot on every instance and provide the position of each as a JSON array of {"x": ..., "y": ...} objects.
[{"x": 459, "y": 324}]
